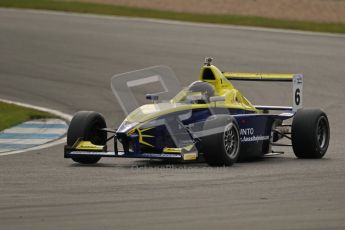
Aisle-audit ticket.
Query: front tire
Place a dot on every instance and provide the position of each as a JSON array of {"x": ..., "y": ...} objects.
[
  {"x": 310, "y": 134},
  {"x": 86, "y": 125},
  {"x": 223, "y": 147}
]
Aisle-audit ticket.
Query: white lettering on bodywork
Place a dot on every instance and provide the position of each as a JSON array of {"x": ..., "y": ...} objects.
[
  {"x": 247, "y": 131},
  {"x": 248, "y": 135}
]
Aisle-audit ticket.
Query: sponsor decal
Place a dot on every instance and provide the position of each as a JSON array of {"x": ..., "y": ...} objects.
[
  {"x": 247, "y": 135},
  {"x": 254, "y": 138},
  {"x": 247, "y": 131}
]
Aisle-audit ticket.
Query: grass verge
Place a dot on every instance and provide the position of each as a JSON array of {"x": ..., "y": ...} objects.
[
  {"x": 96, "y": 8},
  {"x": 11, "y": 115}
]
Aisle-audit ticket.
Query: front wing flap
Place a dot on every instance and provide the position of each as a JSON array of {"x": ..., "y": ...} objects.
[
  {"x": 120, "y": 154},
  {"x": 84, "y": 148}
]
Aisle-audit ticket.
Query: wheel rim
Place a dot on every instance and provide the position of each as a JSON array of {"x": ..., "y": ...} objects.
[
  {"x": 322, "y": 133},
  {"x": 231, "y": 141}
]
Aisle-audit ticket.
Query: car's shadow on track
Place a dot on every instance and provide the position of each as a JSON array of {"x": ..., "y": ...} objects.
[{"x": 160, "y": 164}]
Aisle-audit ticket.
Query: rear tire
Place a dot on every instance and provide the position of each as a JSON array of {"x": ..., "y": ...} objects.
[
  {"x": 310, "y": 134},
  {"x": 222, "y": 148},
  {"x": 86, "y": 125}
]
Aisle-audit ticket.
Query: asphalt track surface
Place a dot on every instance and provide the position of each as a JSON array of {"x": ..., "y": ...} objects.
[{"x": 65, "y": 62}]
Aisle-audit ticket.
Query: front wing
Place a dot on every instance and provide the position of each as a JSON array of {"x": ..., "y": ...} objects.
[
  {"x": 73, "y": 153},
  {"x": 85, "y": 149}
]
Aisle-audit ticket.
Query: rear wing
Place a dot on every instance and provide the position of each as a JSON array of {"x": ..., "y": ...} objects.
[{"x": 296, "y": 79}]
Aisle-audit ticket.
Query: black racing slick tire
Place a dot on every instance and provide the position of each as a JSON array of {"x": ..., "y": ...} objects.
[
  {"x": 221, "y": 140},
  {"x": 86, "y": 125},
  {"x": 310, "y": 134}
]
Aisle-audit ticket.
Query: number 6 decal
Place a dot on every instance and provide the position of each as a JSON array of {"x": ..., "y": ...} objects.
[
  {"x": 297, "y": 92},
  {"x": 297, "y": 97}
]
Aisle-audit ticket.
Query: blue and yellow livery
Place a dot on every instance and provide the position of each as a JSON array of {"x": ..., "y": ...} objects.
[{"x": 210, "y": 119}]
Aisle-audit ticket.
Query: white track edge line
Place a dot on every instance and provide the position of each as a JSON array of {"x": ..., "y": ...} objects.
[
  {"x": 176, "y": 22},
  {"x": 60, "y": 114}
]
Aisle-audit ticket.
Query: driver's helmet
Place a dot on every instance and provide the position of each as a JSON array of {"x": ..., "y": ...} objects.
[{"x": 205, "y": 88}]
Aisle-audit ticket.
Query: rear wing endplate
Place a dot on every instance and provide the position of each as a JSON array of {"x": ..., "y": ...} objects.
[{"x": 296, "y": 79}]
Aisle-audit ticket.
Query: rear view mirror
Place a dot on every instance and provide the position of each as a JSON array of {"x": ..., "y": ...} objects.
[{"x": 152, "y": 97}]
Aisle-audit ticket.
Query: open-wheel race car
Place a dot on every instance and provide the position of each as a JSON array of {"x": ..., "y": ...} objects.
[{"x": 210, "y": 119}]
